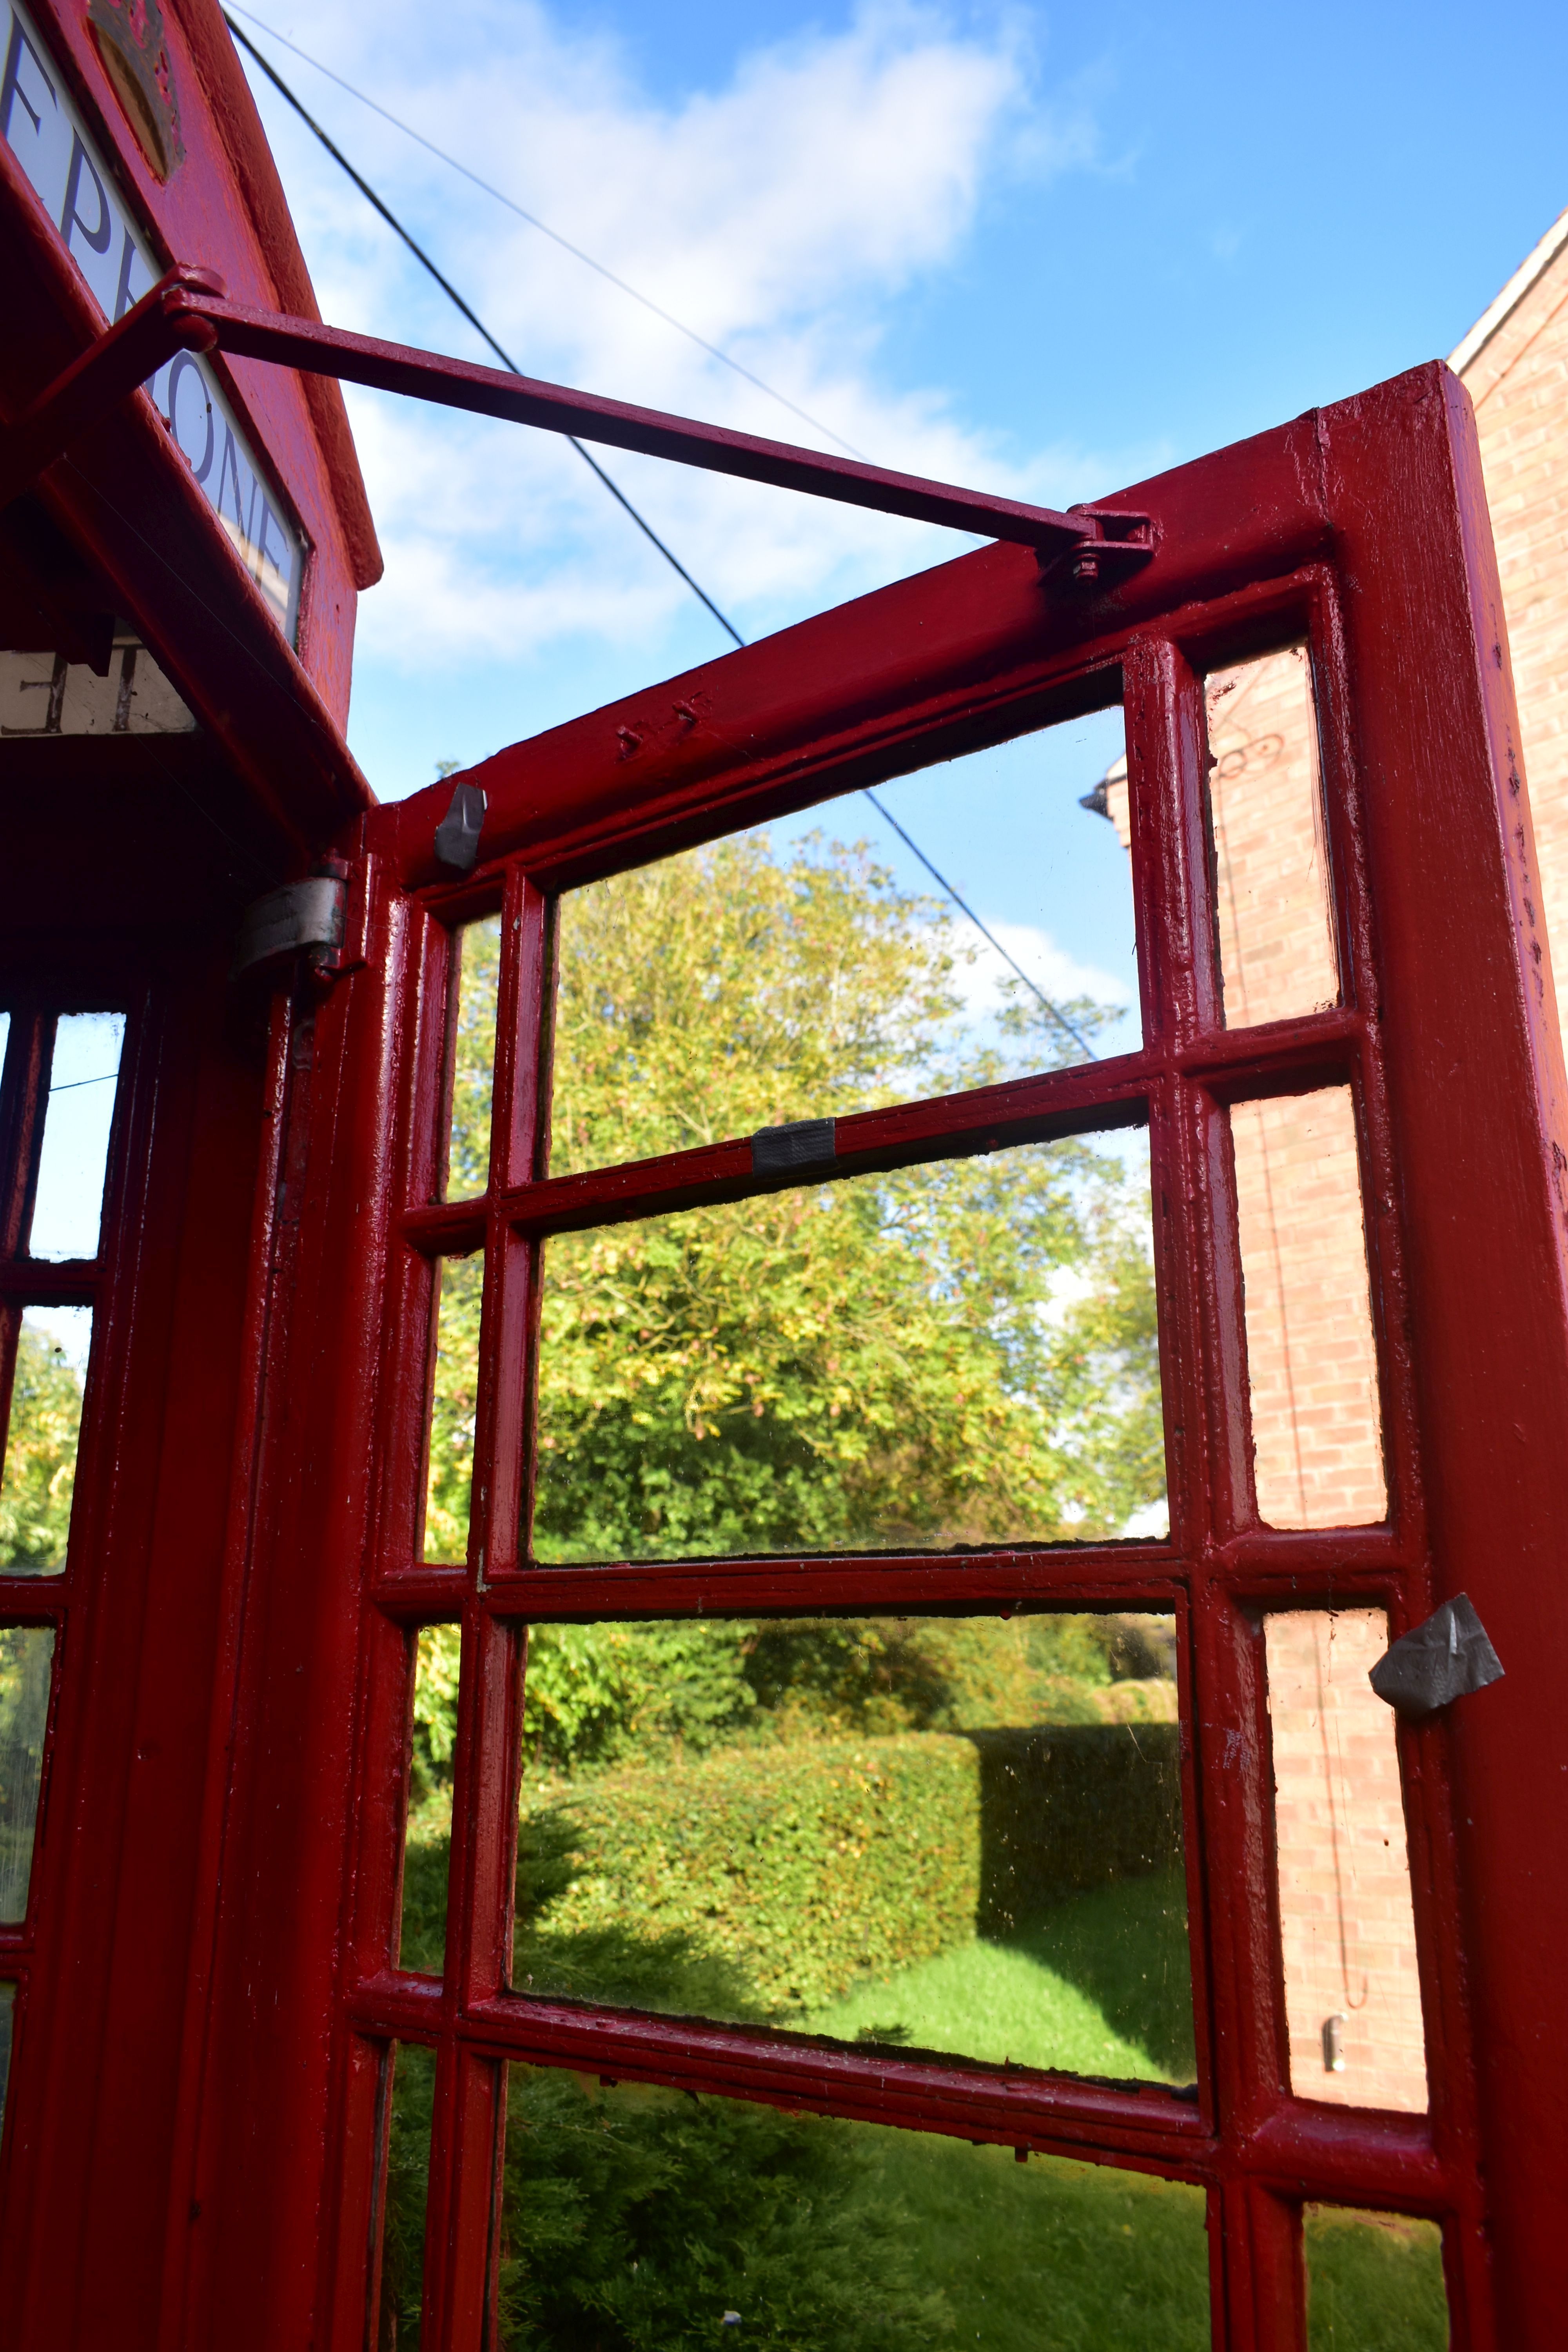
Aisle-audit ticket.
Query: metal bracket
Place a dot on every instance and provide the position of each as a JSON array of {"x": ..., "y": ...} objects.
[
  {"x": 304, "y": 917},
  {"x": 188, "y": 309},
  {"x": 801, "y": 1143},
  {"x": 1438, "y": 1661},
  {"x": 1113, "y": 544}
]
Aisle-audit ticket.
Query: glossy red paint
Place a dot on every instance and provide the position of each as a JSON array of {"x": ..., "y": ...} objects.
[
  {"x": 1254, "y": 547},
  {"x": 187, "y": 312},
  {"x": 127, "y": 863},
  {"x": 158, "y": 556},
  {"x": 225, "y": 204},
  {"x": 210, "y": 1975}
]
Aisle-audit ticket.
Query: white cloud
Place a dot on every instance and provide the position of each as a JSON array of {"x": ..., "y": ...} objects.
[
  {"x": 781, "y": 213},
  {"x": 1061, "y": 976}
]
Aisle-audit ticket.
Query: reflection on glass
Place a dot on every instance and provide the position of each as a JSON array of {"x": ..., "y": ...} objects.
[
  {"x": 26, "y": 1653},
  {"x": 818, "y": 968},
  {"x": 1266, "y": 810},
  {"x": 952, "y": 1834},
  {"x": 427, "y": 1836},
  {"x": 42, "y": 1434},
  {"x": 449, "y": 1476},
  {"x": 473, "y": 1058},
  {"x": 407, "y": 2120},
  {"x": 640, "y": 2217},
  {"x": 1311, "y": 1356},
  {"x": 957, "y": 1354},
  {"x": 7, "y": 2029},
  {"x": 1353, "y": 1993},
  {"x": 67, "y": 1210},
  {"x": 1374, "y": 2282}
]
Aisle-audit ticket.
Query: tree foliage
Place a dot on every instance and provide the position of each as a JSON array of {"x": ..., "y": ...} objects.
[
  {"x": 961, "y": 1352},
  {"x": 633, "y": 2220},
  {"x": 40, "y": 1455},
  {"x": 958, "y": 1354}
]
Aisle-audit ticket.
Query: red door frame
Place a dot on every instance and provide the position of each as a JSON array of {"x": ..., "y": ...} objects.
[{"x": 1365, "y": 522}]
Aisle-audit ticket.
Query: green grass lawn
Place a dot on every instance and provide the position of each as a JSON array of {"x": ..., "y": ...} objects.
[
  {"x": 1375, "y": 2284},
  {"x": 1050, "y": 2256},
  {"x": 1100, "y": 1988}
]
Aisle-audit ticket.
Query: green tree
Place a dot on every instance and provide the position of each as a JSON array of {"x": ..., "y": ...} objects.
[
  {"x": 958, "y": 1352},
  {"x": 631, "y": 2221},
  {"x": 964, "y": 1352},
  {"x": 26, "y": 1653},
  {"x": 607, "y": 1694},
  {"x": 40, "y": 1455}
]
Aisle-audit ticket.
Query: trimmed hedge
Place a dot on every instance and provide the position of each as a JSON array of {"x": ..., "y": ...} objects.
[
  {"x": 812, "y": 1865},
  {"x": 1070, "y": 1806},
  {"x": 808, "y": 1866}
]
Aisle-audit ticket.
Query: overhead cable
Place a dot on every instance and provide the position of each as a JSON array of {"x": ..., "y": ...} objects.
[
  {"x": 1057, "y": 1015},
  {"x": 445, "y": 283},
  {"x": 714, "y": 351},
  {"x": 417, "y": 250}
]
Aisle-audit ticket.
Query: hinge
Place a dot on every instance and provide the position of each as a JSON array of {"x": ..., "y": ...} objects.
[
  {"x": 1114, "y": 542},
  {"x": 304, "y": 918}
]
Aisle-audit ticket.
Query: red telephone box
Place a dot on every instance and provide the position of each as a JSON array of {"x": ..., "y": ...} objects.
[{"x": 216, "y": 1988}]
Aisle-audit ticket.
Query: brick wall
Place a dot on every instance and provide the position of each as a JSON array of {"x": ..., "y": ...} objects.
[
  {"x": 1317, "y": 1444},
  {"x": 1311, "y": 1358},
  {"x": 1347, "y": 1931},
  {"x": 1517, "y": 375},
  {"x": 1276, "y": 946}
]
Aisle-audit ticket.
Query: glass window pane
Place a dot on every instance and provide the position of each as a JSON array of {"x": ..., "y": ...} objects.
[
  {"x": 7, "y": 2030},
  {"x": 817, "y": 967},
  {"x": 958, "y": 1354},
  {"x": 42, "y": 1435},
  {"x": 427, "y": 1838},
  {"x": 1266, "y": 811},
  {"x": 473, "y": 1058},
  {"x": 449, "y": 1478},
  {"x": 1352, "y": 1992},
  {"x": 1374, "y": 2282},
  {"x": 408, "y": 2116},
  {"x": 952, "y": 1834},
  {"x": 1317, "y": 1431},
  {"x": 67, "y": 1209},
  {"x": 26, "y": 1653},
  {"x": 641, "y": 2217}
]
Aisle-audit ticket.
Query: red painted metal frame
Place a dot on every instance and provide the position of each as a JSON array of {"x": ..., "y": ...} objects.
[
  {"x": 30, "y": 1601},
  {"x": 1362, "y": 529},
  {"x": 93, "y": 2102},
  {"x": 226, "y": 201},
  {"x": 186, "y": 311}
]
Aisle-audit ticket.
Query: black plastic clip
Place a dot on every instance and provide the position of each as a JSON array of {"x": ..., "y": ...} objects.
[
  {"x": 458, "y": 834},
  {"x": 803, "y": 1143},
  {"x": 1438, "y": 1661}
]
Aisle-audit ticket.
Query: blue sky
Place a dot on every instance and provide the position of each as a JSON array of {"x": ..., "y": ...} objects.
[{"x": 1045, "y": 251}]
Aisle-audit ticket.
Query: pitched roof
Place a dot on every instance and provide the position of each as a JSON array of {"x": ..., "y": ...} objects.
[{"x": 1496, "y": 313}]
